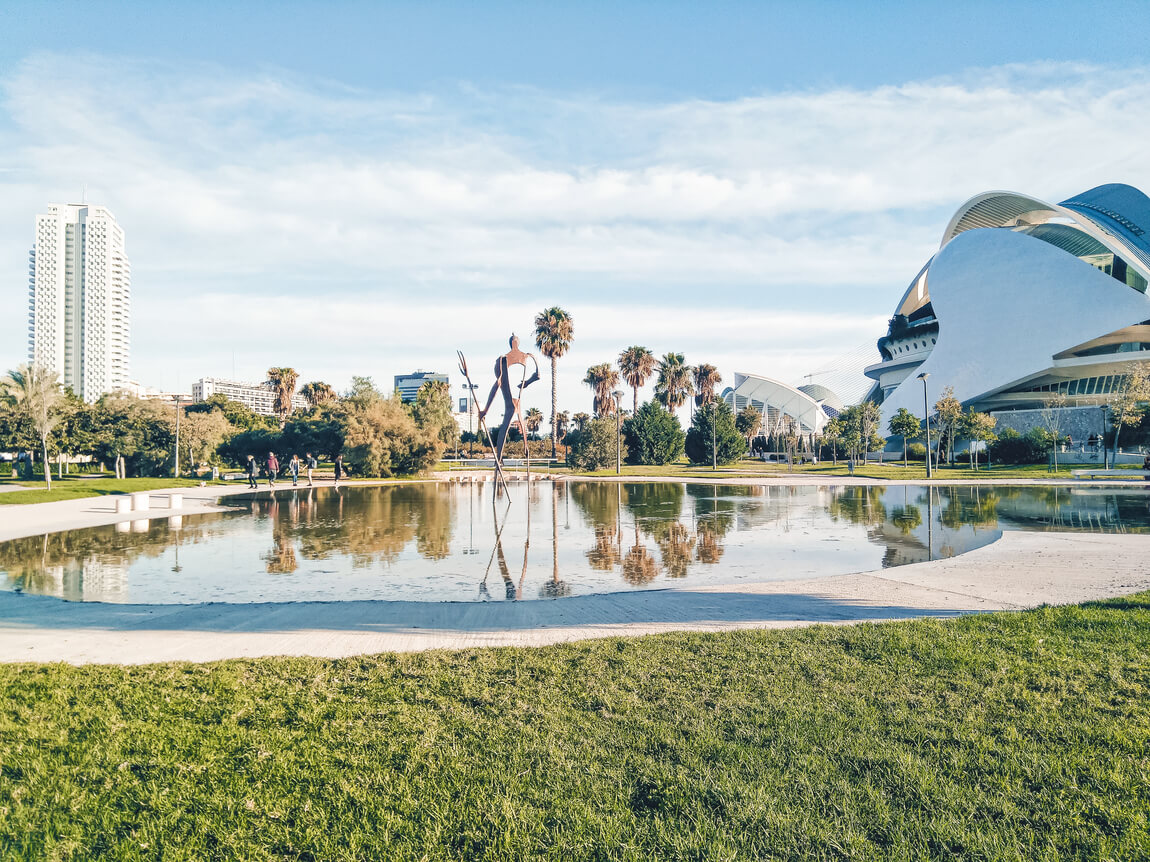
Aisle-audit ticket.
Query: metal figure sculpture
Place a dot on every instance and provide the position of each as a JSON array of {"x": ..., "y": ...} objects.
[
  {"x": 511, "y": 402},
  {"x": 499, "y": 477}
]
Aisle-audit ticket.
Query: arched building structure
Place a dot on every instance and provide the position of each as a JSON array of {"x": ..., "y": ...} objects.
[{"x": 1022, "y": 300}]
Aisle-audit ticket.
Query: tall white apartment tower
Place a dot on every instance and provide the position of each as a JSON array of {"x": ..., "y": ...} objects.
[{"x": 80, "y": 299}]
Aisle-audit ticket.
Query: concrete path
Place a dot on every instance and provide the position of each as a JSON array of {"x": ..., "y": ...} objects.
[{"x": 1020, "y": 570}]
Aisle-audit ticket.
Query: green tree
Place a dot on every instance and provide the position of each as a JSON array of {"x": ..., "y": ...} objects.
[
  {"x": 432, "y": 411},
  {"x": 554, "y": 332},
  {"x": 1128, "y": 399},
  {"x": 653, "y": 436},
  {"x": 834, "y": 435},
  {"x": 317, "y": 393},
  {"x": 363, "y": 391},
  {"x": 381, "y": 438},
  {"x": 904, "y": 424},
  {"x": 706, "y": 378},
  {"x": 977, "y": 427},
  {"x": 748, "y": 421},
  {"x": 201, "y": 435},
  {"x": 603, "y": 379},
  {"x": 949, "y": 410},
  {"x": 241, "y": 417},
  {"x": 140, "y": 432},
  {"x": 729, "y": 444},
  {"x": 533, "y": 419},
  {"x": 34, "y": 392},
  {"x": 636, "y": 365},
  {"x": 674, "y": 384},
  {"x": 596, "y": 445},
  {"x": 283, "y": 381}
]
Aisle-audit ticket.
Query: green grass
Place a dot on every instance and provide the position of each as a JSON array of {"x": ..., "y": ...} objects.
[
  {"x": 73, "y": 487},
  {"x": 749, "y": 469},
  {"x": 1010, "y": 736}
]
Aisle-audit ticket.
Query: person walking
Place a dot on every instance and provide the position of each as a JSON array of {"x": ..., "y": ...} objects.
[
  {"x": 311, "y": 465},
  {"x": 273, "y": 468},
  {"x": 338, "y": 468},
  {"x": 252, "y": 472},
  {"x": 851, "y": 466},
  {"x": 293, "y": 465}
]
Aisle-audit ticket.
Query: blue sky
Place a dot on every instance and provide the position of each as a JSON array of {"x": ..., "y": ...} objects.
[{"x": 361, "y": 188}]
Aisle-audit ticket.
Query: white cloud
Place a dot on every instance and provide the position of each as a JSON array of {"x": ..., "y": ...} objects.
[{"x": 369, "y": 232}]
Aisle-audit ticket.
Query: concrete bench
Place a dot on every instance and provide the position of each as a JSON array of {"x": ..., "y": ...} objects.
[{"x": 1110, "y": 473}]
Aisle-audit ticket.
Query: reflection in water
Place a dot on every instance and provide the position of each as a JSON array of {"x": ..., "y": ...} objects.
[{"x": 410, "y": 541}]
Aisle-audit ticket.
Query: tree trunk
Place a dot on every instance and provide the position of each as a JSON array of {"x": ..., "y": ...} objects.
[
  {"x": 904, "y": 464},
  {"x": 635, "y": 400},
  {"x": 554, "y": 409},
  {"x": 47, "y": 466}
]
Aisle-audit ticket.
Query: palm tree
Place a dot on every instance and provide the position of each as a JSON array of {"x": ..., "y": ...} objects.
[
  {"x": 580, "y": 420},
  {"x": 603, "y": 379},
  {"x": 562, "y": 419},
  {"x": 317, "y": 393},
  {"x": 554, "y": 332},
  {"x": 533, "y": 418},
  {"x": 34, "y": 392},
  {"x": 283, "y": 381},
  {"x": 636, "y": 364},
  {"x": 674, "y": 384},
  {"x": 707, "y": 377}
]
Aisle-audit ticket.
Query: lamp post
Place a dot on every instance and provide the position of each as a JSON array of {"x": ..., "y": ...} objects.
[
  {"x": 618, "y": 393},
  {"x": 470, "y": 408},
  {"x": 714, "y": 419},
  {"x": 926, "y": 422},
  {"x": 177, "y": 464},
  {"x": 1102, "y": 437}
]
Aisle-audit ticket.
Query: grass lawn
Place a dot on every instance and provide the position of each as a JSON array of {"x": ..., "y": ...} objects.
[
  {"x": 74, "y": 487},
  {"x": 1010, "y": 736}
]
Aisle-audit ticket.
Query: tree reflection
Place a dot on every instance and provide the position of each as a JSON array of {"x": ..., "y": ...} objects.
[
  {"x": 859, "y": 504},
  {"x": 973, "y": 506},
  {"x": 907, "y": 518},
  {"x": 554, "y": 588}
]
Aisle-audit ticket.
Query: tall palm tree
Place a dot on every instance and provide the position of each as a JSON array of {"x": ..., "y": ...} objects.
[
  {"x": 533, "y": 418},
  {"x": 283, "y": 381},
  {"x": 636, "y": 364},
  {"x": 35, "y": 393},
  {"x": 317, "y": 393},
  {"x": 674, "y": 384},
  {"x": 707, "y": 377},
  {"x": 554, "y": 332},
  {"x": 603, "y": 379},
  {"x": 562, "y": 419}
]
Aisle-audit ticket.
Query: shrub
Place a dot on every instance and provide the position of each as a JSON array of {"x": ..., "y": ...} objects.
[
  {"x": 1014, "y": 448},
  {"x": 916, "y": 452},
  {"x": 381, "y": 438},
  {"x": 729, "y": 444},
  {"x": 653, "y": 436},
  {"x": 594, "y": 447}
]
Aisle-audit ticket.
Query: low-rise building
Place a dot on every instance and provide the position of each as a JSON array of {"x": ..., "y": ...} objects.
[{"x": 258, "y": 397}]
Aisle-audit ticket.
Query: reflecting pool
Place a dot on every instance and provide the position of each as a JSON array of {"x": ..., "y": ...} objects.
[{"x": 456, "y": 542}]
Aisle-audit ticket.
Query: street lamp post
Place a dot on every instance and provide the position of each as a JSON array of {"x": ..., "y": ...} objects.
[
  {"x": 177, "y": 473},
  {"x": 926, "y": 422},
  {"x": 1102, "y": 437},
  {"x": 618, "y": 393},
  {"x": 470, "y": 408},
  {"x": 714, "y": 419}
]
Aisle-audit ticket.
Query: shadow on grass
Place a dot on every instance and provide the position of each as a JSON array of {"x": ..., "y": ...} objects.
[{"x": 653, "y": 607}]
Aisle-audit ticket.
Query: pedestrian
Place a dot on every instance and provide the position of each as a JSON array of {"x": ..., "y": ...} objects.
[
  {"x": 273, "y": 468},
  {"x": 252, "y": 472},
  {"x": 311, "y": 465},
  {"x": 338, "y": 468},
  {"x": 293, "y": 465},
  {"x": 851, "y": 466}
]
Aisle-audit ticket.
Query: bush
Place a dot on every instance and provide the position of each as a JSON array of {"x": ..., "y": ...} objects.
[
  {"x": 1014, "y": 448},
  {"x": 653, "y": 436},
  {"x": 916, "y": 452},
  {"x": 594, "y": 448},
  {"x": 729, "y": 444},
  {"x": 382, "y": 439}
]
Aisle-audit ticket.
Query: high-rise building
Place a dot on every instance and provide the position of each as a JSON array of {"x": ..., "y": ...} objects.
[{"x": 80, "y": 299}]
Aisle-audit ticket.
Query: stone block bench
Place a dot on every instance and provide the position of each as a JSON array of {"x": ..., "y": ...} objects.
[{"x": 1101, "y": 472}]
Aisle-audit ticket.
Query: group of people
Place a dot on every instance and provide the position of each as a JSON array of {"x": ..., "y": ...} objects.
[{"x": 272, "y": 468}]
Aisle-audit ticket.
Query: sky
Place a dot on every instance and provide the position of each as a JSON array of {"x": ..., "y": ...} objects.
[{"x": 364, "y": 188}]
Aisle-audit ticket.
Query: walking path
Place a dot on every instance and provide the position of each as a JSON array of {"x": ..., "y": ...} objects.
[{"x": 1020, "y": 570}]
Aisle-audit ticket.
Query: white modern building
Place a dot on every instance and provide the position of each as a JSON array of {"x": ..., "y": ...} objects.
[
  {"x": 258, "y": 397},
  {"x": 1024, "y": 301},
  {"x": 810, "y": 406},
  {"x": 80, "y": 299}
]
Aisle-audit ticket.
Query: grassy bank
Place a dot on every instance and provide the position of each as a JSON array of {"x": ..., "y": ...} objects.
[{"x": 1012, "y": 736}]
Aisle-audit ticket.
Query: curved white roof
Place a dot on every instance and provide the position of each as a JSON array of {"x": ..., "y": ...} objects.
[{"x": 780, "y": 399}]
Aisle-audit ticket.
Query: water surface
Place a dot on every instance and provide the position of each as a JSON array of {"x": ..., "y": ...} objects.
[{"x": 456, "y": 542}]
